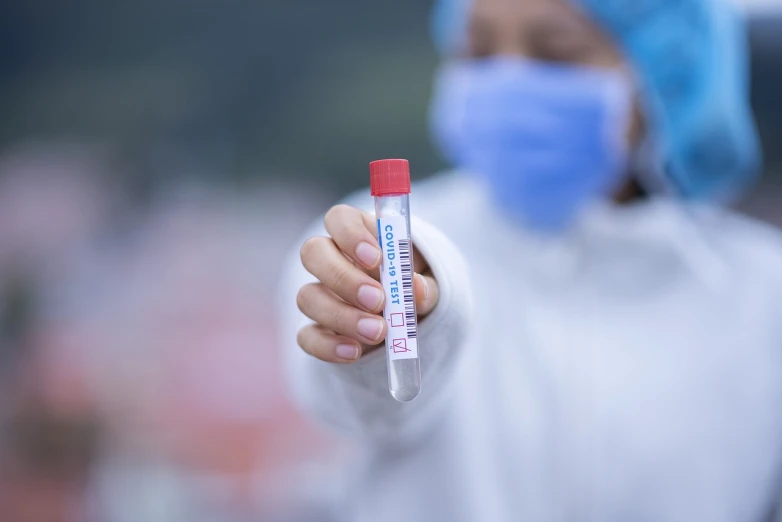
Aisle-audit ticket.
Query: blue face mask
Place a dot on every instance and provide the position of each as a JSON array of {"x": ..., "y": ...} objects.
[{"x": 547, "y": 139}]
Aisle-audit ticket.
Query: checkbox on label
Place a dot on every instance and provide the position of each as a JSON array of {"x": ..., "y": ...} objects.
[
  {"x": 397, "y": 320},
  {"x": 399, "y": 345}
]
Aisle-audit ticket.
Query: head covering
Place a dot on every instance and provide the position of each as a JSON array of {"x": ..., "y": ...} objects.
[{"x": 690, "y": 57}]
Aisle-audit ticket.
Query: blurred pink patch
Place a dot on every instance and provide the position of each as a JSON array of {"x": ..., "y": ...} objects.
[{"x": 51, "y": 201}]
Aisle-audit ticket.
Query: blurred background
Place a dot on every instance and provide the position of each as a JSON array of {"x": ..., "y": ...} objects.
[{"x": 158, "y": 159}]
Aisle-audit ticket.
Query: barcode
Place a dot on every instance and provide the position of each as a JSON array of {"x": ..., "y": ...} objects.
[{"x": 407, "y": 287}]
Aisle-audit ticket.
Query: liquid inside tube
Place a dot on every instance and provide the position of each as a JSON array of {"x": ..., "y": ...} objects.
[
  {"x": 404, "y": 379},
  {"x": 404, "y": 370}
]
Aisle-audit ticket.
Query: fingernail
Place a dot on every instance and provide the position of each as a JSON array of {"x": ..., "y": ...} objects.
[
  {"x": 370, "y": 328},
  {"x": 370, "y": 297},
  {"x": 368, "y": 254},
  {"x": 348, "y": 352},
  {"x": 425, "y": 283}
]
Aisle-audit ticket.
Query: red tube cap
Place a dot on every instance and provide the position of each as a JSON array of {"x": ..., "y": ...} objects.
[{"x": 389, "y": 177}]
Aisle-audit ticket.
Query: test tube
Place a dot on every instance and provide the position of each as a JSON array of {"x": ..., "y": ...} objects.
[{"x": 390, "y": 186}]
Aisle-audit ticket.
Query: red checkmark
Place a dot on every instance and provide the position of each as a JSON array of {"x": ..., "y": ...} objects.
[{"x": 400, "y": 345}]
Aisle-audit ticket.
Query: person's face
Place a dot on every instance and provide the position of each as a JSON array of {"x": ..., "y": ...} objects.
[{"x": 548, "y": 30}]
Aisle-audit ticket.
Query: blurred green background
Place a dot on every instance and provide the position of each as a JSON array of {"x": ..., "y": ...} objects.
[
  {"x": 241, "y": 87},
  {"x": 229, "y": 89}
]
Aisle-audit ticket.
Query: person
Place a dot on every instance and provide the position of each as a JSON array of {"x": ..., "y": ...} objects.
[{"x": 600, "y": 337}]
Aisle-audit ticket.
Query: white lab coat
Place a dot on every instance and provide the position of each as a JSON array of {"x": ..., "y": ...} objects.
[{"x": 629, "y": 371}]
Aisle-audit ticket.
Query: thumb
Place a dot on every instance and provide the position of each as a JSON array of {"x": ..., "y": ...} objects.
[{"x": 427, "y": 294}]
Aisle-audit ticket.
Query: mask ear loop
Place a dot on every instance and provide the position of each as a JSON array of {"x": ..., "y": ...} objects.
[{"x": 646, "y": 160}]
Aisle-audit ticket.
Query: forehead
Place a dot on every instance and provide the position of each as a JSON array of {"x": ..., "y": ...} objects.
[
  {"x": 554, "y": 21},
  {"x": 530, "y": 13}
]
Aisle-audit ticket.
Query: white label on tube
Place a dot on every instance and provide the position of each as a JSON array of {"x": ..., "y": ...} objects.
[{"x": 398, "y": 283}]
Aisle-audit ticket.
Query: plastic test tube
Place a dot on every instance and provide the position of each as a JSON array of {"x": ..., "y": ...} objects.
[{"x": 390, "y": 185}]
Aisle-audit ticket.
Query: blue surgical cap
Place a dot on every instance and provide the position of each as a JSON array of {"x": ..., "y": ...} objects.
[{"x": 690, "y": 57}]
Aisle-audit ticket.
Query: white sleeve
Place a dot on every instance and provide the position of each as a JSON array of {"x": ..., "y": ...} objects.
[{"x": 355, "y": 398}]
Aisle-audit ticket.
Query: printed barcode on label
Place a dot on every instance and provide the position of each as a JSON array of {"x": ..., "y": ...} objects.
[{"x": 407, "y": 287}]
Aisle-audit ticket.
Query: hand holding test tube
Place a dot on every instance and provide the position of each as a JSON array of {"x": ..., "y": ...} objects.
[{"x": 348, "y": 298}]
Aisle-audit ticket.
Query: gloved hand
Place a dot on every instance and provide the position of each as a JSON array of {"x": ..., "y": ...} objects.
[{"x": 347, "y": 302}]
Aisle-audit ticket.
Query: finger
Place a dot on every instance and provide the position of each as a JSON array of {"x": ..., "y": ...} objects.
[
  {"x": 370, "y": 222},
  {"x": 325, "y": 345},
  {"x": 427, "y": 294},
  {"x": 420, "y": 265},
  {"x": 353, "y": 235},
  {"x": 321, "y": 257},
  {"x": 317, "y": 303}
]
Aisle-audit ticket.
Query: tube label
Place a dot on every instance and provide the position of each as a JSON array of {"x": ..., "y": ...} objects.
[{"x": 396, "y": 275}]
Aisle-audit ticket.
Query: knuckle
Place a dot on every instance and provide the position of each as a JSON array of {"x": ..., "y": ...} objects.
[
  {"x": 310, "y": 248},
  {"x": 338, "y": 276},
  {"x": 343, "y": 223},
  {"x": 339, "y": 320},
  {"x": 336, "y": 214},
  {"x": 307, "y": 339},
  {"x": 301, "y": 339},
  {"x": 355, "y": 233},
  {"x": 303, "y": 299}
]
